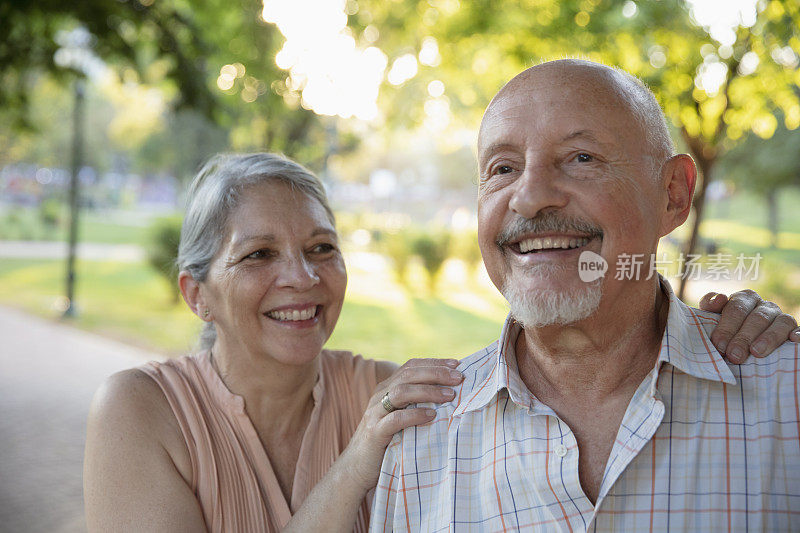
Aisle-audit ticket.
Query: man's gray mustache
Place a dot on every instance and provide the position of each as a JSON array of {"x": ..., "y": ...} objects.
[{"x": 547, "y": 222}]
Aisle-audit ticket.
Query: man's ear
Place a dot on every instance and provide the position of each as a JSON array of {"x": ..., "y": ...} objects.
[
  {"x": 679, "y": 175},
  {"x": 193, "y": 296}
]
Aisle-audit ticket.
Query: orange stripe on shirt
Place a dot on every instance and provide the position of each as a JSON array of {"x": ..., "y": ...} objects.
[
  {"x": 652, "y": 482},
  {"x": 701, "y": 334},
  {"x": 796, "y": 401},
  {"x": 494, "y": 470},
  {"x": 727, "y": 452},
  {"x": 403, "y": 483},
  {"x": 547, "y": 475},
  {"x": 391, "y": 482}
]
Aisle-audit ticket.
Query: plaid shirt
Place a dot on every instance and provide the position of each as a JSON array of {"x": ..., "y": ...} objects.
[{"x": 704, "y": 445}]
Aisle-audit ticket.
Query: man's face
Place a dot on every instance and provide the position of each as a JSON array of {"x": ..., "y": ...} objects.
[{"x": 564, "y": 168}]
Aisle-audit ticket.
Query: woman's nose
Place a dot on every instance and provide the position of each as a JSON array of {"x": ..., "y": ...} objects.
[{"x": 298, "y": 273}]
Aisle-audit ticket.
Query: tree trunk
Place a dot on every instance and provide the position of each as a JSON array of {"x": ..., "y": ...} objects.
[
  {"x": 705, "y": 156},
  {"x": 772, "y": 216}
]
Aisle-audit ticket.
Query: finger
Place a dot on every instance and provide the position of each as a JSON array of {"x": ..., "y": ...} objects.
[
  {"x": 756, "y": 323},
  {"x": 739, "y": 306},
  {"x": 406, "y": 393},
  {"x": 431, "y": 375},
  {"x": 775, "y": 335},
  {"x": 713, "y": 302},
  {"x": 403, "y": 418},
  {"x": 795, "y": 336},
  {"x": 430, "y": 361}
]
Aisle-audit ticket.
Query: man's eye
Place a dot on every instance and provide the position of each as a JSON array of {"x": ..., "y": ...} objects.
[
  {"x": 584, "y": 158},
  {"x": 503, "y": 169}
]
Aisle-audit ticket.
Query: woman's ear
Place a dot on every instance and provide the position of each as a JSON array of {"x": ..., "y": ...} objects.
[
  {"x": 679, "y": 175},
  {"x": 193, "y": 295}
]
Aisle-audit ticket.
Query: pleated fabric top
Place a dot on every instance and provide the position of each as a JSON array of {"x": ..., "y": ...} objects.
[{"x": 232, "y": 477}]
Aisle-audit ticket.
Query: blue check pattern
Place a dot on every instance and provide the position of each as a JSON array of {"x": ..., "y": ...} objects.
[{"x": 705, "y": 445}]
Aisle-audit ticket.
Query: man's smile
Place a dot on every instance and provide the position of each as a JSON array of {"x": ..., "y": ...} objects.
[
  {"x": 537, "y": 244},
  {"x": 557, "y": 247}
]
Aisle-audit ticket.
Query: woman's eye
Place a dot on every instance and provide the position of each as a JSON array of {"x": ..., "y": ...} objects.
[
  {"x": 584, "y": 158},
  {"x": 258, "y": 254},
  {"x": 323, "y": 248}
]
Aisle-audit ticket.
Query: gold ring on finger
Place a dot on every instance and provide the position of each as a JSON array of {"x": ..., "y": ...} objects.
[{"x": 387, "y": 404}]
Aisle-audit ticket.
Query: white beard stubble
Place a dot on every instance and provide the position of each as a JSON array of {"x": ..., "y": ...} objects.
[{"x": 545, "y": 307}]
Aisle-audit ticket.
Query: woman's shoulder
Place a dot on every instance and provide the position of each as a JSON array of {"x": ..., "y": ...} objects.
[
  {"x": 131, "y": 392},
  {"x": 140, "y": 390},
  {"x": 136, "y": 461},
  {"x": 358, "y": 366},
  {"x": 130, "y": 404}
]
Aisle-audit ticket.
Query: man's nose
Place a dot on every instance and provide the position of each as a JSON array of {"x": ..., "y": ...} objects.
[
  {"x": 297, "y": 272},
  {"x": 536, "y": 189}
]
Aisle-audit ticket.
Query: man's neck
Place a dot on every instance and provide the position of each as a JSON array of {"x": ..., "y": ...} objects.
[{"x": 600, "y": 357}]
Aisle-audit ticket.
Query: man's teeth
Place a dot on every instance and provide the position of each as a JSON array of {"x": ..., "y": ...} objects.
[
  {"x": 547, "y": 243},
  {"x": 286, "y": 316}
]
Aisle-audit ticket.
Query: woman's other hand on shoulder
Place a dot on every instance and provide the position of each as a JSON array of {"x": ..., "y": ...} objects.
[{"x": 395, "y": 406}]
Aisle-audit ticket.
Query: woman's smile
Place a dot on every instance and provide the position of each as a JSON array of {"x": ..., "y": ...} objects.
[{"x": 296, "y": 316}]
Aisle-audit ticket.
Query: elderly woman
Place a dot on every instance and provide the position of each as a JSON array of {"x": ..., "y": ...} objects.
[{"x": 262, "y": 429}]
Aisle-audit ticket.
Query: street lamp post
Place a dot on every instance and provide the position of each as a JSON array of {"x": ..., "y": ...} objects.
[
  {"x": 74, "y": 192},
  {"x": 76, "y": 55}
]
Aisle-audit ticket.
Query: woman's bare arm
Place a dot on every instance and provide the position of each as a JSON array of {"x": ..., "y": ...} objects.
[
  {"x": 130, "y": 478},
  {"x": 332, "y": 506}
]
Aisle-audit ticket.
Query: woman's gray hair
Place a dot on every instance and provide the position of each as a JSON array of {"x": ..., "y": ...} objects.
[{"x": 214, "y": 194}]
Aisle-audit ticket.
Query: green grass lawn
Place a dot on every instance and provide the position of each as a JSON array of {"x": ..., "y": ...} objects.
[
  {"x": 751, "y": 210},
  {"x": 24, "y": 224},
  {"x": 379, "y": 319}
]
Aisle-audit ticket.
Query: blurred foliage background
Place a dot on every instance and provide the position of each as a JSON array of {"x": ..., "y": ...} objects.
[{"x": 382, "y": 99}]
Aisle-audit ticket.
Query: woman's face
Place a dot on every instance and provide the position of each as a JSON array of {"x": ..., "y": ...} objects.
[{"x": 277, "y": 285}]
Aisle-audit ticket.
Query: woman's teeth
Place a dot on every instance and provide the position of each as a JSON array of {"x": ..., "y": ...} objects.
[
  {"x": 554, "y": 243},
  {"x": 294, "y": 315}
]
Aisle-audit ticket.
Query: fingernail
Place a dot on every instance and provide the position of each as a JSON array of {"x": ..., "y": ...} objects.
[
  {"x": 715, "y": 298},
  {"x": 796, "y": 334},
  {"x": 448, "y": 393},
  {"x": 722, "y": 345},
  {"x": 451, "y": 363},
  {"x": 737, "y": 354},
  {"x": 430, "y": 412},
  {"x": 455, "y": 374},
  {"x": 759, "y": 347}
]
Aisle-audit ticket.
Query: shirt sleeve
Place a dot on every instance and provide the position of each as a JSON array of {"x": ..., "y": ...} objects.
[{"x": 384, "y": 504}]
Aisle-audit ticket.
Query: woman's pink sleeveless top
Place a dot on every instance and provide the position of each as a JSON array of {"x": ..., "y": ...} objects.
[{"x": 231, "y": 473}]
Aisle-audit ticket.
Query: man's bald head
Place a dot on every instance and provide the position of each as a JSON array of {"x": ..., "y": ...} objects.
[{"x": 614, "y": 85}]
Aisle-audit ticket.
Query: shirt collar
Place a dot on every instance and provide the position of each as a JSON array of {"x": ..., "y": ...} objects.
[
  {"x": 493, "y": 378},
  {"x": 685, "y": 345}
]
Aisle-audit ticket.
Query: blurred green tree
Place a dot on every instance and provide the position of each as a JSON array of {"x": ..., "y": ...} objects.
[
  {"x": 182, "y": 146},
  {"x": 765, "y": 166},
  {"x": 432, "y": 246},
  {"x": 176, "y": 45},
  {"x": 712, "y": 92},
  {"x": 399, "y": 247},
  {"x": 164, "y": 236}
]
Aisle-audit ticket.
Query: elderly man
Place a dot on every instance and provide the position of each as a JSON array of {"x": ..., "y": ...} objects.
[{"x": 604, "y": 405}]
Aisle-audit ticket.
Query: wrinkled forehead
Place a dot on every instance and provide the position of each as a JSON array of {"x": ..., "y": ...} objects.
[
  {"x": 565, "y": 97},
  {"x": 275, "y": 207}
]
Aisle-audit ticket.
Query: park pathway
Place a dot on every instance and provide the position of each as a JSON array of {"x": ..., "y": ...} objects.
[
  {"x": 48, "y": 374},
  {"x": 125, "y": 253}
]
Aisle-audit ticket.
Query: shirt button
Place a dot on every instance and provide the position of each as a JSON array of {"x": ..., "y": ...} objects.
[{"x": 560, "y": 450}]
